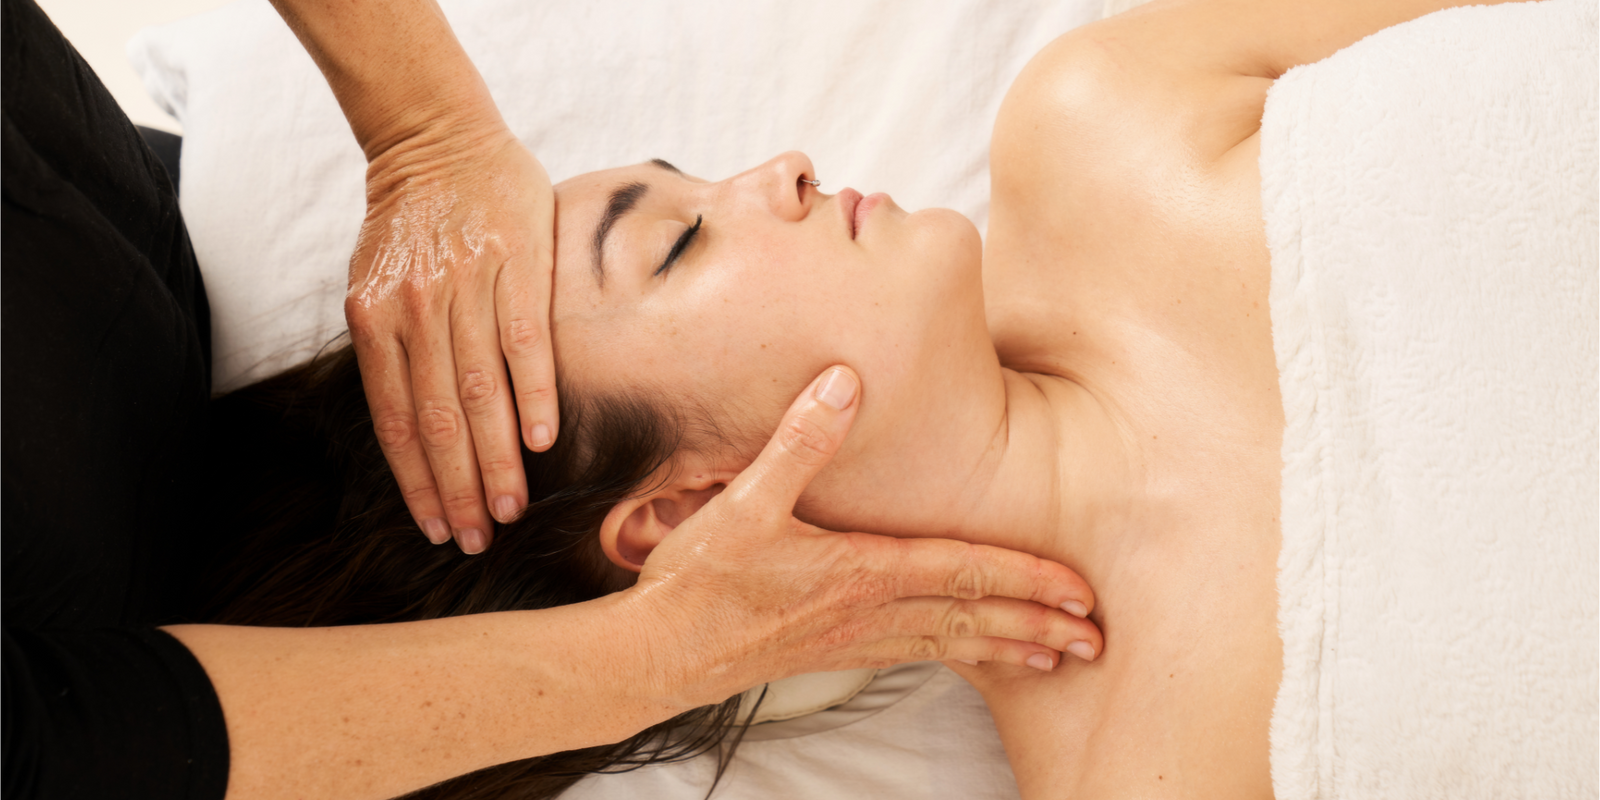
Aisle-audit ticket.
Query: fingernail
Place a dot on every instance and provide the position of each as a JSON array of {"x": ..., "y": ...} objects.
[
  {"x": 506, "y": 508},
  {"x": 470, "y": 540},
  {"x": 1075, "y": 608},
  {"x": 541, "y": 436},
  {"x": 1082, "y": 650},
  {"x": 968, "y": 663},
  {"x": 436, "y": 530},
  {"x": 1041, "y": 662},
  {"x": 837, "y": 389}
]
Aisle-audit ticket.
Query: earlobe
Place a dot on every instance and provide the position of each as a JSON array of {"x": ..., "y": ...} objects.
[{"x": 633, "y": 527}]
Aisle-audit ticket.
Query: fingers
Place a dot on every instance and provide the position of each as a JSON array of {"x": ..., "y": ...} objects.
[
  {"x": 446, "y": 438},
  {"x": 449, "y": 292},
  {"x": 969, "y": 651},
  {"x": 810, "y": 434},
  {"x": 944, "y": 620},
  {"x": 388, "y": 388},
  {"x": 522, "y": 304},
  {"x": 485, "y": 398},
  {"x": 946, "y": 568}
]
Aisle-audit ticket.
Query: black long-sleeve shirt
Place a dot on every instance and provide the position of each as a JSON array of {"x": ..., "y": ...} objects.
[{"x": 104, "y": 369}]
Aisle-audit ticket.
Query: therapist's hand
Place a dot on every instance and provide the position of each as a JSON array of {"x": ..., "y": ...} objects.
[
  {"x": 743, "y": 593},
  {"x": 449, "y": 286}
]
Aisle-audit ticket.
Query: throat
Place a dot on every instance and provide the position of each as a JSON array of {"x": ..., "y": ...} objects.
[
  {"x": 1062, "y": 485},
  {"x": 1029, "y": 462}
]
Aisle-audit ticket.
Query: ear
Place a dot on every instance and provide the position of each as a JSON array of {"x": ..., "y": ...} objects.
[{"x": 635, "y": 526}]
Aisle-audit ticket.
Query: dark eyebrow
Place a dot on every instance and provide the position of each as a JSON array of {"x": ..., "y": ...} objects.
[{"x": 622, "y": 200}]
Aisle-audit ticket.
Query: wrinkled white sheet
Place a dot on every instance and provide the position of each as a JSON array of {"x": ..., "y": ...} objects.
[{"x": 1430, "y": 196}]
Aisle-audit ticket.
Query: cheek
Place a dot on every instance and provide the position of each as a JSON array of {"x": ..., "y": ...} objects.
[{"x": 746, "y": 337}]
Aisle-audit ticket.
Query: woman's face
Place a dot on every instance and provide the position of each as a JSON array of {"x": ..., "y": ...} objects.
[{"x": 731, "y": 296}]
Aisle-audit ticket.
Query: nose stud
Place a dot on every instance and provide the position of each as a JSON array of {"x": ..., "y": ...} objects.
[{"x": 813, "y": 183}]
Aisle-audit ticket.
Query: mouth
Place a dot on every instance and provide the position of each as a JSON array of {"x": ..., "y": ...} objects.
[
  {"x": 849, "y": 201},
  {"x": 856, "y": 208}
]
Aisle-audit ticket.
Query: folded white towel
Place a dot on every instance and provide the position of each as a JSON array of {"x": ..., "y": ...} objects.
[{"x": 1430, "y": 202}]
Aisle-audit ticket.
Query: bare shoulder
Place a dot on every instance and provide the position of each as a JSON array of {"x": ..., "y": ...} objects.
[
  {"x": 1139, "y": 90},
  {"x": 1171, "y": 85}
]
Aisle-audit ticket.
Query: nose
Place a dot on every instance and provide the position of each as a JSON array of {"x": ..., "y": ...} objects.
[{"x": 777, "y": 184}]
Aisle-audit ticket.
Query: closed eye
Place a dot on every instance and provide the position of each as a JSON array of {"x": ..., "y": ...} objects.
[{"x": 679, "y": 246}]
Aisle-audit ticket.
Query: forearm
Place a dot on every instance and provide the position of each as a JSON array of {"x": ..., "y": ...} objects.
[
  {"x": 397, "y": 69},
  {"x": 376, "y": 711}
]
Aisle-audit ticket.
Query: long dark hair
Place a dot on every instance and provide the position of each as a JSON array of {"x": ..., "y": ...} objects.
[{"x": 328, "y": 540}]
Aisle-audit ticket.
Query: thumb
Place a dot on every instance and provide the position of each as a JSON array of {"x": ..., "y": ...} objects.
[{"x": 810, "y": 434}]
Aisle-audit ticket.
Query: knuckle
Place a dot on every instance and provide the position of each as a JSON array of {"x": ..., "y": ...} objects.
[
  {"x": 806, "y": 440},
  {"x": 959, "y": 621},
  {"x": 927, "y": 648},
  {"x": 968, "y": 581},
  {"x": 416, "y": 300},
  {"x": 1046, "y": 627},
  {"x": 395, "y": 431},
  {"x": 420, "y": 495},
  {"x": 359, "y": 315},
  {"x": 538, "y": 394},
  {"x": 478, "y": 389},
  {"x": 459, "y": 500},
  {"x": 521, "y": 337},
  {"x": 499, "y": 465},
  {"x": 439, "y": 425}
]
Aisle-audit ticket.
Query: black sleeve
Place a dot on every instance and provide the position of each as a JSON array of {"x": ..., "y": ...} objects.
[
  {"x": 109, "y": 713},
  {"x": 105, "y": 343}
]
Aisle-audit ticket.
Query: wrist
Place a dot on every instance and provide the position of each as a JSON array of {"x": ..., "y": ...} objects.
[
  {"x": 622, "y": 650},
  {"x": 435, "y": 111},
  {"x": 680, "y": 659},
  {"x": 436, "y": 149}
]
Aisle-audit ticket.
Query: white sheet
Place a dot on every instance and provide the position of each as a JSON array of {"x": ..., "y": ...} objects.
[
  {"x": 1430, "y": 199},
  {"x": 882, "y": 95}
]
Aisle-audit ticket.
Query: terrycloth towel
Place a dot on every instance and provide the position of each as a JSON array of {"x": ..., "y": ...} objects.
[{"x": 1430, "y": 202}]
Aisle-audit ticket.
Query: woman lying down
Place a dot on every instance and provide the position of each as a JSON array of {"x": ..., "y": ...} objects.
[{"x": 1094, "y": 383}]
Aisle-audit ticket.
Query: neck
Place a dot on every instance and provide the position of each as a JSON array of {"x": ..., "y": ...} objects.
[{"x": 1029, "y": 462}]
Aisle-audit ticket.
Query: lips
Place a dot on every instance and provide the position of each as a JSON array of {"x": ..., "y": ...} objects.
[
  {"x": 849, "y": 200},
  {"x": 856, "y": 208},
  {"x": 865, "y": 207}
]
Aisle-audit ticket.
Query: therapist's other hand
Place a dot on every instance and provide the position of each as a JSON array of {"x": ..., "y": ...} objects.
[
  {"x": 742, "y": 593},
  {"x": 449, "y": 286}
]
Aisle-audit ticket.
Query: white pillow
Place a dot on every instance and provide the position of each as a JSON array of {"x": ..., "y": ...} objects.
[{"x": 883, "y": 95}]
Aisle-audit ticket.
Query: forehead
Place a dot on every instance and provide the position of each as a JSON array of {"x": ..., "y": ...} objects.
[{"x": 593, "y": 187}]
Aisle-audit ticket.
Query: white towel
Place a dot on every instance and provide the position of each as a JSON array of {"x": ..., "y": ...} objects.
[{"x": 1430, "y": 203}]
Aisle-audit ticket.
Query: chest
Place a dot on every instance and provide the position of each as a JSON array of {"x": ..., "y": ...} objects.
[{"x": 1155, "y": 294}]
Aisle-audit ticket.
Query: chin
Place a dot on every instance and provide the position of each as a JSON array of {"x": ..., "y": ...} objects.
[{"x": 949, "y": 244}]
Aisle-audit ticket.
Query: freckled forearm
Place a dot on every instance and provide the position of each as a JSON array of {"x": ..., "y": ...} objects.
[
  {"x": 378, "y": 711},
  {"x": 396, "y": 68}
]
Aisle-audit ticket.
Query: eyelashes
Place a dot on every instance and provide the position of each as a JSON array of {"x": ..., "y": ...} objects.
[{"x": 679, "y": 246}]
